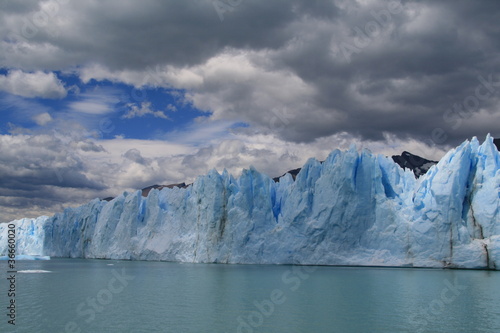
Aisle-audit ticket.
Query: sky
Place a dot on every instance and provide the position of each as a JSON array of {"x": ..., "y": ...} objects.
[{"x": 99, "y": 97}]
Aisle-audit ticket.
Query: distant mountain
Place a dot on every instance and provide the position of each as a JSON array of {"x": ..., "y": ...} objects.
[
  {"x": 146, "y": 190},
  {"x": 415, "y": 163},
  {"x": 293, "y": 172},
  {"x": 406, "y": 160},
  {"x": 420, "y": 165}
]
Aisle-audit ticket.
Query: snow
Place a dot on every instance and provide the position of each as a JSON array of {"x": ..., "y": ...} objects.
[{"x": 355, "y": 208}]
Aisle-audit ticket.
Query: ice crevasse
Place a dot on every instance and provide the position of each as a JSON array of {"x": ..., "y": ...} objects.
[{"x": 354, "y": 208}]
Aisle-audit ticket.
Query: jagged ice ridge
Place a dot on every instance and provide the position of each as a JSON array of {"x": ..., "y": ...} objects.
[{"x": 352, "y": 209}]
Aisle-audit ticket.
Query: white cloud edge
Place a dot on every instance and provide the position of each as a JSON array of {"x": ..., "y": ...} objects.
[{"x": 32, "y": 84}]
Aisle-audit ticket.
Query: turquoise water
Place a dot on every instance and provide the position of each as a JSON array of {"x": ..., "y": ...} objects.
[{"x": 132, "y": 296}]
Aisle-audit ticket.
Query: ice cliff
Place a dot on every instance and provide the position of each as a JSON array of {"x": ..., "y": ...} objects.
[{"x": 352, "y": 209}]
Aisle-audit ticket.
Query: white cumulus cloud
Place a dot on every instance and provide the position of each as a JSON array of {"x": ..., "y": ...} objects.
[
  {"x": 42, "y": 119},
  {"x": 143, "y": 110},
  {"x": 36, "y": 84}
]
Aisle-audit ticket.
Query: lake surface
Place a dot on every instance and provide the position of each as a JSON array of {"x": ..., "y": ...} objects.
[{"x": 74, "y": 295}]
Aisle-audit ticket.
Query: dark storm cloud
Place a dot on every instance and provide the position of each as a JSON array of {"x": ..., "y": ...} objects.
[
  {"x": 419, "y": 69},
  {"x": 28, "y": 162},
  {"x": 129, "y": 34},
  {"x": 371, "y": 67}
]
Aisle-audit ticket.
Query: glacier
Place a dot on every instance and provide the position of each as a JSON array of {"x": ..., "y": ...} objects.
[{"x": 354, "y": 208}]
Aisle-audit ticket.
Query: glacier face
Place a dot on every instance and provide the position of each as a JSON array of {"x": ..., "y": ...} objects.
[{"x": 352, "y": 209}]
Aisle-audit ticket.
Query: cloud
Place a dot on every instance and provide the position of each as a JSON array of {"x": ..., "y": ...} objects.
[
  {"x": 42, "y": 119},
  {"x": 276, "y": 101},
  {"x": 143, "y": 110},
  {"x": 28, "y": 161},
  {"x": 36, "y": 84},
  {"x": 39, "y": 173},
  {"x": 22, "y": 109},
  {"x": 98, "y": 102},
  {"x": 201, "y": 132},
  {"x": 135, "y": 156},
  {"x": 289, "y": 75}
]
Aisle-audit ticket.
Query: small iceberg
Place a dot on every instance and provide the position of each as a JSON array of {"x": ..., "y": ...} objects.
[{"x": 26, "y": 257}]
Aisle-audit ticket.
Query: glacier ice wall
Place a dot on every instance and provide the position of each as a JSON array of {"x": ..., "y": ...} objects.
[{"x": 352, "y": 209}]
